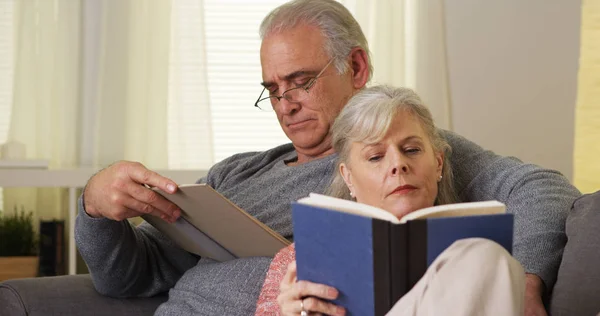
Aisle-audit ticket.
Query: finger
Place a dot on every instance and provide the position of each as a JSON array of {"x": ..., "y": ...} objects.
[
  {"x": 312, "y": 304},
  {"x": 142, "y": 208},
  {"x": 154, "y": 199},
  {"x": 141, "y": 174},
  {"x": 306, "y": 288},
  {"x": 290, "y": 275}
]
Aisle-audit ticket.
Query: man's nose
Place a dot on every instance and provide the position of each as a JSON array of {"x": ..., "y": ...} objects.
[{"x": 286, "y": 107}]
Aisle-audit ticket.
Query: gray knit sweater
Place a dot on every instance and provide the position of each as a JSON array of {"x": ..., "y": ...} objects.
[{"x": 126, "y": 261}]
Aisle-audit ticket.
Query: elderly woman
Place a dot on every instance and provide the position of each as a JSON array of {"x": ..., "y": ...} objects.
[{"x": 392, "y": 156}]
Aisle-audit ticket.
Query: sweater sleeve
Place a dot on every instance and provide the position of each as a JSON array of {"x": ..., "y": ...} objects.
[
  {"x": 539, "y": 199},
  {"x": 267, "y": 301},
  {"x": 127, "y": 261}
]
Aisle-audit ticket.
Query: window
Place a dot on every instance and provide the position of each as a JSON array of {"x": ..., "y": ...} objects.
[
  {"x": 233, "y": 74},
  {"x": 218, "y": 59}
]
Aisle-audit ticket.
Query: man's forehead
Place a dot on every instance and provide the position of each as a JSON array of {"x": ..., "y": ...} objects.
[
  {"x": 287, "y": 57},
  {"x": 297, "y": 49}
]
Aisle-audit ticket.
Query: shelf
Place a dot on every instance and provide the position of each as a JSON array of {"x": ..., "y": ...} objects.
[{"x": 23, "y": 164}]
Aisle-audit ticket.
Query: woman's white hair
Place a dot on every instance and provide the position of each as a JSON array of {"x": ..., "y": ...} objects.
[
  {"x": 369, "y": 115},
  {"x": 341, "y": 31}
]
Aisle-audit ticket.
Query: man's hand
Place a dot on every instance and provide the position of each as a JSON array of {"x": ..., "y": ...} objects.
[
  {"x": 118, "y": 193},
  {"x": 534, "y": 288}
]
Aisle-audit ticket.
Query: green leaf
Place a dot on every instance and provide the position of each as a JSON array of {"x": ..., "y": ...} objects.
[{"x": 17, "y": 234}]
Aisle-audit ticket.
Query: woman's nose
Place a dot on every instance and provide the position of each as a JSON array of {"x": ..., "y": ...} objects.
[{"x": 399, "y": 166}]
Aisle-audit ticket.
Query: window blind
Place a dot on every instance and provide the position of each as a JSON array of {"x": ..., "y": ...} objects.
[{"x": 233, "y": 75}]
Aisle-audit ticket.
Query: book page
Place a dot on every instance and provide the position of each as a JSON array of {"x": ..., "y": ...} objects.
[
  {"x": 347, "y": 206},
  {"x": 456, "y": 210},
  {"x": 447, "y": 210}
]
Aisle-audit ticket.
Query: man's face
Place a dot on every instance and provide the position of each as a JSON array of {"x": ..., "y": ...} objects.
[{"x": 290, "y": 59}]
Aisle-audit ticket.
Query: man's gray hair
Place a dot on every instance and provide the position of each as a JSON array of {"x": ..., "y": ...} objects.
[
  {"x": 341, "y": 31},
  {"x": 369, "y": 115}
]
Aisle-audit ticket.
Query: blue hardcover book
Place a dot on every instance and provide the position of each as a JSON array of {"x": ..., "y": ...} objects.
[{"x": 372, "y": 257}]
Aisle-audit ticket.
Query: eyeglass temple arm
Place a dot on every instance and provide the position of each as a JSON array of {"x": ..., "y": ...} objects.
[
  {"x": 260, "y": 95},
  {"x": 313, "y": 80}
]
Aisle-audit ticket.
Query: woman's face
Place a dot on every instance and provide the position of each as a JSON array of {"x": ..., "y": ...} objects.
[{"x": 400, "y": 173}]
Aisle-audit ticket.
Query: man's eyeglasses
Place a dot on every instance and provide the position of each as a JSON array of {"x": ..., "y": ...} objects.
[{"x": 294, "y": 95}]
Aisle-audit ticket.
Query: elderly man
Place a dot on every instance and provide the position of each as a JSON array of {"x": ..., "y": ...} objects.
[{"x": 314, "y": 57}]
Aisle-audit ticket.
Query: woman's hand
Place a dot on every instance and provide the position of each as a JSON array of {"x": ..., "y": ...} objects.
[{"x": 294, "y": 296}]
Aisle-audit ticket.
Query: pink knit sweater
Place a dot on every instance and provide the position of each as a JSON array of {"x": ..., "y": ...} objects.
[{"x": 267, "y": 301}]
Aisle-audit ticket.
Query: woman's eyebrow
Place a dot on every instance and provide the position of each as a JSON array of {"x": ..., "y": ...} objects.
[
  {"x": 404, "y": 140},
  {"x": 412, "y": 137},
  {"x": 369, "y": 146}
]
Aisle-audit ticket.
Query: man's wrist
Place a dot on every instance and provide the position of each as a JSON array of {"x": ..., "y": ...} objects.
[{"x": 89, "y": 210}]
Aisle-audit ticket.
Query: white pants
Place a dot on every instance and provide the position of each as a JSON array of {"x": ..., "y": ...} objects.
[{"x": 472, "y": 277}]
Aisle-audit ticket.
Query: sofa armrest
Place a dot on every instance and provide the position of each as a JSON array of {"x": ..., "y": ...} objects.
[
  {"x": 578, "y": 284},
  {"x": 67, "y": 295}
]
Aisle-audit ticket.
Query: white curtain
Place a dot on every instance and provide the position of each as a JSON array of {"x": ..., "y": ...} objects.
[
  {"x": 190, "y": 133},
  {"x": 90, "y": 87},
  {"x": 145, "y": 93},
  {"x": 407, "y": 42},
  {"x": 125, "y": 77},
  {"x": 45, "y": 96}
]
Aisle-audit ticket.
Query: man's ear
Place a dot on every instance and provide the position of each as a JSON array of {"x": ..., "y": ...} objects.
[
  {"x": 346, "y": 175},
  {"x": 359, "y": 63}
]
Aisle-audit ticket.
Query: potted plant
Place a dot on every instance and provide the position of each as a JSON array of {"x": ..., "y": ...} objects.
[{"x": 18, "y": 246}]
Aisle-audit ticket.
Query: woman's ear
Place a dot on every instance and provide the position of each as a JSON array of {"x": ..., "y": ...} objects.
[
  {"x": 346, "y": 175},
  {"x": 439, "y": 157}
]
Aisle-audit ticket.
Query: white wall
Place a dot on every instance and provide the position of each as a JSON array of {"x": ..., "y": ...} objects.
[{"x": 513, "y": 76}]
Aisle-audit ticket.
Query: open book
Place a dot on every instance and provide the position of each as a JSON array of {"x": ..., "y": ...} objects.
[
  {"x": 447, "y": 210},
  {"x": 374, "y": 258},
  {"x": 212, "y": 226}
]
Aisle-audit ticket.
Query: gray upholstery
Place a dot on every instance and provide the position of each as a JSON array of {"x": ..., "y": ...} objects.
[
  {"x": 67, "y": 295},
  {"x": 577, "y": 290}
]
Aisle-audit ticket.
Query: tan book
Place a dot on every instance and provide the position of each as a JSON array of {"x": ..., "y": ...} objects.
[{"x": 212, "y": 226}]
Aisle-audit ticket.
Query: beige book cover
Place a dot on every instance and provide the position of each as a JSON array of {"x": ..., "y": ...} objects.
[{"x": 212, "y": 226}]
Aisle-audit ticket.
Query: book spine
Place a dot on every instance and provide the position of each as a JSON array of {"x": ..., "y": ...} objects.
[
  {"x": 381, "y": 266},
  {"x": 417, "y": 251},
  {"x": 398, "y": 262}
]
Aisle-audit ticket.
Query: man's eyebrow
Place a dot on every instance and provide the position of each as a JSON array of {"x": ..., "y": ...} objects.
[{"x": 290, "y": 77}]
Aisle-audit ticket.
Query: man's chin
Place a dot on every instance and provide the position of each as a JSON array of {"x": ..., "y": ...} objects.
[{"x": 306, "y": 142}]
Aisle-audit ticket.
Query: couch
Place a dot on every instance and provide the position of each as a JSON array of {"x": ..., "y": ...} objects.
[
  {"x": 577, "y": 290},
  {"x": 67, "y": 295}
]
